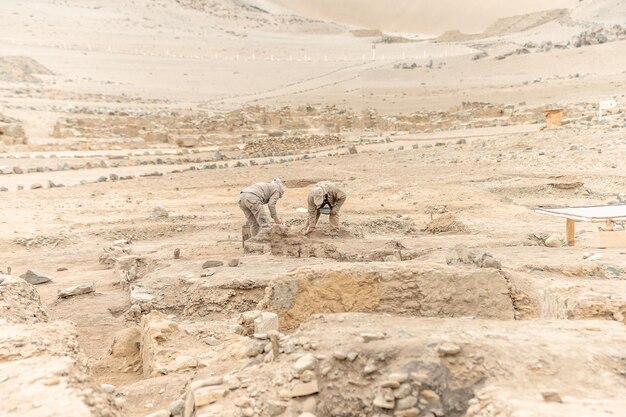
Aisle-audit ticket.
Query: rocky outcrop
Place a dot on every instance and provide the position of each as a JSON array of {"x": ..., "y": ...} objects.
[
  {"x": 20, "y": 302},
  {"x": 43, "y": 371}
]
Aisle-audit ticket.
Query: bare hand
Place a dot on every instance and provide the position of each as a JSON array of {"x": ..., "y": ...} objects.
[{"x": 278, "y": 220}]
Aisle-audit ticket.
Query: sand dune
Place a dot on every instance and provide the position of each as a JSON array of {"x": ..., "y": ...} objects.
[{"x": 421, "y": 16}]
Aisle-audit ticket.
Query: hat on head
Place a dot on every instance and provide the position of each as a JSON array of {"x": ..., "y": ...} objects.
[
  {"x": 318, "y": 195},
  {"x": 277, "y": 181}
]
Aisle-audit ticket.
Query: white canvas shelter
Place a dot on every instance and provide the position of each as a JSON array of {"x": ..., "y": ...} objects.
[
  {"x": 585, "y": 214},
  {"x": 589, "y": 213}
]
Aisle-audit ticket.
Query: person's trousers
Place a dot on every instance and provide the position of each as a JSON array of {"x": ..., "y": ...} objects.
[
  {"x": 333, "y": 219},
  {"x": 255, "y": 213}
]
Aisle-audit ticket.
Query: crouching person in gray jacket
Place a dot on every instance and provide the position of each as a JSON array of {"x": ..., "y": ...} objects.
[{"x": 253, "y": 198}]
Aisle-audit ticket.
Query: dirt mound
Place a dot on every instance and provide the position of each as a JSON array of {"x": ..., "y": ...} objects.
[
  {"x": 21, "y": 69},
  {"x": 282, "y": 241},
  {"x": 301, "y": 183},
  {"x": 446, "y": 224},
  {"x": 424, "y": 292},
  {"x": 347, "y": 230}
]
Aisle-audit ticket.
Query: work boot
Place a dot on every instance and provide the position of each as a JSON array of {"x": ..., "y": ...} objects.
[{"x": 264, "y": 234}]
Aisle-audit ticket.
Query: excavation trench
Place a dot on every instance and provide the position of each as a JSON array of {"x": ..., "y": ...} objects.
[
  {"x": 420, "y": 291},
  {"x": 407, "y": 290}
]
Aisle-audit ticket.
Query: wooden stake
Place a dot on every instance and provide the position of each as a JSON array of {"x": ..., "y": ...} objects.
[
  {"x": 570, "y": 227},
  {"x": 275, "y": 345}
]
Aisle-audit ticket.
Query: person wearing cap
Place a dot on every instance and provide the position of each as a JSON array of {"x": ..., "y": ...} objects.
[
  {"x": 253, "y": 198},
  {"x": 324, "y": 194}
]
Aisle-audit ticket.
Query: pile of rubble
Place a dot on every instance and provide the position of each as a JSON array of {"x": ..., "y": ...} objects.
[
  {"x": 405, "y": 367},
  {"x": 405, "y": 65},
  {"x": 283, "y": 241},
  {"x": 599, "y": 35},
  {"x": 596, "y": 36},
  {"x": 266, "y": 126},
  {"x": 282, "y": 145}
]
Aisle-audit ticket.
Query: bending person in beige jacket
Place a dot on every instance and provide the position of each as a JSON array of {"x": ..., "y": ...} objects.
[
  {"x": 253, "y": 198},
  {"x": 324, "y": 195}
]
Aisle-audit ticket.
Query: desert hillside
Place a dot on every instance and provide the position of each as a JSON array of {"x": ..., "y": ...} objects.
[{"x": 421, "y": 16}]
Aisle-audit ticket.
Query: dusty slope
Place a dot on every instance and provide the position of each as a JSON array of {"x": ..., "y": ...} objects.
[
  {"x": 421, "y": 16},
  {"x": 600, "y": 11}
]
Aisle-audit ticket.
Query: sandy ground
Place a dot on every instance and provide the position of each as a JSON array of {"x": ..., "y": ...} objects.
[{"x": 157, "y": 62}]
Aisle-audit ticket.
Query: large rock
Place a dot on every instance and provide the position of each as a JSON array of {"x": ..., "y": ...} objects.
[
  {"x": 305, "y": 362},
  {"x": 111, "y": 254},
  {"x": 553, "y": 241},
  {"x": 139, "y": 295},
  {"x": 20, "y": 302},
  {"x": 35, "y": 277},
  {"x": 159, "y": 212},
  {"x": 169, "y": 347},
  {"x": 130, "y": 268},
  {"x": 77, "y": 290},
  {"x": 212, "y": 264},
  {"x": 266, "y": 322},
  {"x": 462, "y": 255},
  {"x": 126, "y": 343},
  {"x": 156, "y": 332}
]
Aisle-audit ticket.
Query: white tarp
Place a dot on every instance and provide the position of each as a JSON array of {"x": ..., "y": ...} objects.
[{"x": 589, "y": 213}]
